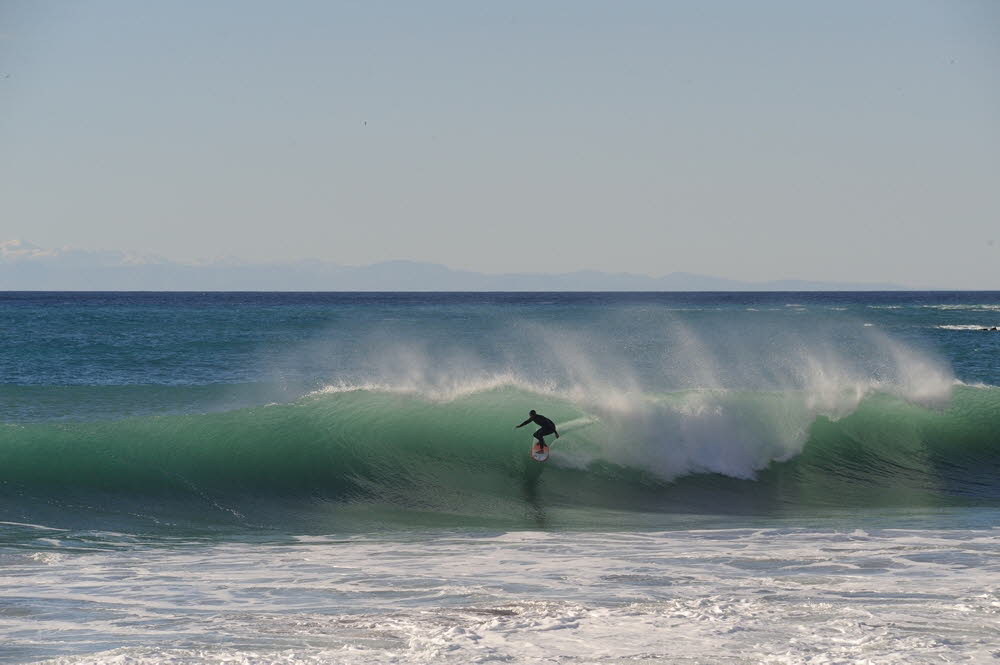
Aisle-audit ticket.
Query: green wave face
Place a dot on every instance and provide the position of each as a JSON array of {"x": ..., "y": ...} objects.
[{"x": 371, "y": 457}]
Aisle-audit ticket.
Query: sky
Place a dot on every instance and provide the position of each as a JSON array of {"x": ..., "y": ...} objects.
[{"x": 849, "y": 140}]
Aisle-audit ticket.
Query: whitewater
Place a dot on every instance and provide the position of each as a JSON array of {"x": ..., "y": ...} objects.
[{"x": 308, "y": 477}]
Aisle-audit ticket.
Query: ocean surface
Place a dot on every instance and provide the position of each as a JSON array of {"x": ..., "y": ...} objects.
[{"x": 331, "y": 477}]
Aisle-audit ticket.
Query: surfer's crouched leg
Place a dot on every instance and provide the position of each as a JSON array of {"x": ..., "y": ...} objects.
[{"x": 541, "y": 434}]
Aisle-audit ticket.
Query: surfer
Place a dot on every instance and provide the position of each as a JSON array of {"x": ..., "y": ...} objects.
[{"x": 547, "y": 426}]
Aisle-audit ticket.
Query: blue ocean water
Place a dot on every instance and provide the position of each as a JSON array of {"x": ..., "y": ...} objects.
[{"x": 173, "y": 466}]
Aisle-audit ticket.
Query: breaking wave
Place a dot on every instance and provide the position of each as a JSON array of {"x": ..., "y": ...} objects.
[{"x": 457, "y": 457}]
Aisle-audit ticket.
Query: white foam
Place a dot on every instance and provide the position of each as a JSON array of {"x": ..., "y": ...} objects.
[{"x": 741, "y": 595}]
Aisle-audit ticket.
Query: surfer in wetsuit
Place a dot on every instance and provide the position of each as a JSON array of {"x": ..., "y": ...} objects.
[{"x": 546, "y": 426}]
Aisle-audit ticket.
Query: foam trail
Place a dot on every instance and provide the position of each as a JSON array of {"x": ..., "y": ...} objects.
[{"x": 576, "y": 424}]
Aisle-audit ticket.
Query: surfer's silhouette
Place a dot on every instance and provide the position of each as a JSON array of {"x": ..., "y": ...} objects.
[{"x": 546, "y": 426}]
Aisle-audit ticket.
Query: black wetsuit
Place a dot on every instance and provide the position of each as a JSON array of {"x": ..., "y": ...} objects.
[{"x": 547, "y": 426}]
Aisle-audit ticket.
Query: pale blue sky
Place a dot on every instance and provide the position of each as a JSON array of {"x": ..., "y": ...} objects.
[{"x": 840, "y": 140}]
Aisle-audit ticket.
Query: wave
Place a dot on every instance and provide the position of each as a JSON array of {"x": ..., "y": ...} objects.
[
  {"x": 988, "y": 307},
  {"x": 372, "y": 451},
  {"x": 980, "y": 307},
  {"x": 968, "y": 326}
]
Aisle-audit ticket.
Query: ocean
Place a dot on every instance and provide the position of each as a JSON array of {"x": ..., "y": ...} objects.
[{"x": 336, "y": 477}]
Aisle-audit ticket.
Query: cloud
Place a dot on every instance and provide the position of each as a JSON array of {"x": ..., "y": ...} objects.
[
  {"x": 14, "y": 251},
  {"x": 19, "y": 250}
]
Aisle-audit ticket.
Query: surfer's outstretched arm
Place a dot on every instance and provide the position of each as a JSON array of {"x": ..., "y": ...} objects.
[{"x": 523, "y": 424}]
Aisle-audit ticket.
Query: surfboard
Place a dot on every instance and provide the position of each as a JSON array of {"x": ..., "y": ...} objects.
[{"x": 539, "y": 453}]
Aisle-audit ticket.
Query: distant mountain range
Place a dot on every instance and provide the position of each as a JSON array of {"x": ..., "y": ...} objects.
[{"x": 27, "y": 267}]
